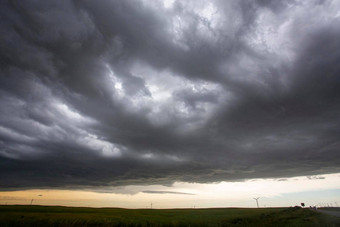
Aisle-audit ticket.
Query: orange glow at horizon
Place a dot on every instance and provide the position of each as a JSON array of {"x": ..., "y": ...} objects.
[{"x": 273, "y": 192}]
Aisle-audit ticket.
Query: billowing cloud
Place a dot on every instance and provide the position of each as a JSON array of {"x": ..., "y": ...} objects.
[{"x": 97, "y": 94}]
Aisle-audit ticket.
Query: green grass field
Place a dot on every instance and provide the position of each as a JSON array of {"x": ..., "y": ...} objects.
[{"x": 68, "y": 216}]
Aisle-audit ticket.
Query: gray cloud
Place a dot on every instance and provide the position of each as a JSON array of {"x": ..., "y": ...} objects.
[
  {"x": 112, "y": 93},
  {"x": 316, "y": 178},
  {"x": 167, "y": 192}
]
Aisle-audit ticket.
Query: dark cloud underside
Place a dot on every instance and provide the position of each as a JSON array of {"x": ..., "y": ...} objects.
[
  {"x": 167, "y": 192},
  {"x": 110, "y": 93}
]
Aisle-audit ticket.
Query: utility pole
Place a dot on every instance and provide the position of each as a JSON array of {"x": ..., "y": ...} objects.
[
  {"x": 151, "y": 205},
  {"x": 257, "y": 202}
]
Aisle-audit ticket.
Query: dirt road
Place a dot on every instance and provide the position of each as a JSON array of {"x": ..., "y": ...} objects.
[{"x": 330, "y": 212}]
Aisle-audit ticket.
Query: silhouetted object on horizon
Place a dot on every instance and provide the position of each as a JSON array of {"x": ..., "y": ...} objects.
[
  {"x": 33, "y": 199},
  {"x": 257, "y": 202}
]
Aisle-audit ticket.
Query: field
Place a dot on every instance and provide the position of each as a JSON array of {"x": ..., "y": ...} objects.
[{"x": 68, "y": 216}]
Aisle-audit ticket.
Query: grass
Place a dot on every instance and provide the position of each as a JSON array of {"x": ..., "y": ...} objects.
[{"x": 17, "y": 215}]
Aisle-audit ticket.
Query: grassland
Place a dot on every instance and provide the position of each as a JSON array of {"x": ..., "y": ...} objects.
[{"x": 68, "y": 216}]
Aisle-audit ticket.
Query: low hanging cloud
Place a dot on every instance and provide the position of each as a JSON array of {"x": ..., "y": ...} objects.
[
  {"x": 98, "y": 94},
  {"x": 167, "y": 192}
]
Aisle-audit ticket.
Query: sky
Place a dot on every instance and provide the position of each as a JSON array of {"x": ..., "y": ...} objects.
[{"x": 177, "y": 103}]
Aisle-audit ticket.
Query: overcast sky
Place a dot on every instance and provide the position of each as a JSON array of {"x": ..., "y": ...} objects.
[{"x": 96, "y": 94}]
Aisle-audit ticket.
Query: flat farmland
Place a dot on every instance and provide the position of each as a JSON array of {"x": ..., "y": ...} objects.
[{"x": 19, "y": 215}]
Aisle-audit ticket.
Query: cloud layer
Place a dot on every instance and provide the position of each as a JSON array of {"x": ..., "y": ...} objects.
[
  {"x": 167, "y": 192},
  {"x": 110, "y": 93}
]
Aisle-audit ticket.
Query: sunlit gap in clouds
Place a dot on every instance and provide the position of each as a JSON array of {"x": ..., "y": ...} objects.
[{"x": 272, "y": 193}]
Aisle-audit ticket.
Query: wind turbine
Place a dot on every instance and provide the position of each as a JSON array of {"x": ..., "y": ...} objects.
[
  {"x": 33, "y": 199},
  {"x": 257, "y": 201}
]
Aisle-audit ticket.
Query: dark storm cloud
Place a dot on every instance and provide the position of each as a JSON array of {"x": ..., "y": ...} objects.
[{"x": 110, "y": 93}]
